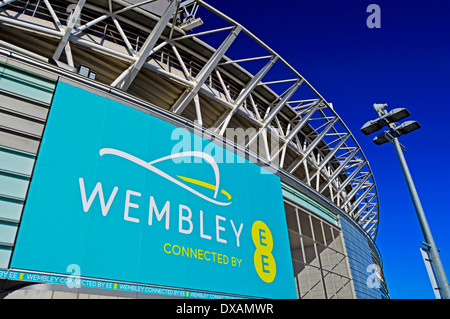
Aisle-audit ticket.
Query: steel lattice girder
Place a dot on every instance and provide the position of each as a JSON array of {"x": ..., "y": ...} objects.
[{"x": 328, "y": 153}]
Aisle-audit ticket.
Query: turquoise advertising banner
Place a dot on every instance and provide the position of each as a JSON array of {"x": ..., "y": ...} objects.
[{"x": 126, "y": 196}]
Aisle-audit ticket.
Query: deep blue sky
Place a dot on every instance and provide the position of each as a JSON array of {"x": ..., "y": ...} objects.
[{"x": 405, "y": 63}]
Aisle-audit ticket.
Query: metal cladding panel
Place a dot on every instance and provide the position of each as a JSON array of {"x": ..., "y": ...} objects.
[
  {"x": 18, "y": 142},
  {"x": 23, "y": 83},
  {"x": 366, "y": 278},
  {"x": 14, "y": 104},
  {"x": 13, "y": 161},
  {"x": 23, "y": 126},
  {"x": 126, "y": 196},
  {"x": 24, "y": 98}
]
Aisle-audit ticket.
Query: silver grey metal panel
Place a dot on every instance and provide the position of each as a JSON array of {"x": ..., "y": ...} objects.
[
  {"x": 22, "y": 118},
  {"x": 21, "y": 125},
  {"x": 21, "y": 107},
  {"x": 18, "y": 142}
]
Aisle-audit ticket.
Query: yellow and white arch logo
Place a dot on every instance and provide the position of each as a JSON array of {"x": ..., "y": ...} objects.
[
  {"x": 181, "y": 179},
  {"x": 264, "y": 262}
]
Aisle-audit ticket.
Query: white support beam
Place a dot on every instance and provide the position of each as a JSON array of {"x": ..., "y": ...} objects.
[
  {"x": 339, "y": 170},
  {"x": 177, "y": 10},
  {"x": 132, "y": 6},
  {"x": 283, "y": 152},
  {"x": 360, "y": 199},
  {"x": 224, "y": 87},
  {"x": 70, "y": 25},
  {"x": 356, "y": 189},
  {"x": 335, "y": 149},
  {"x": 91, "y": 23},
  {"x": 301, "y": 103},
  {"x": 180, "y": 60},
  {"x": 54, "y": 16},
  {"x": 367, "y": 214},
  {"x": 110, "y": 14},
  {"x": 150, "y": 43},
  {"x": 331, "y": 154},
  {"x": 223, "y": 121},
  {"x": 255, "y": 108},
  {"x": 312, "y": 146},
  {"x": 374, "y": 223},
  {"x": 351, "y": 176},
  {"x": 124, "y": 37},
  {"x": 246, "y": 60},
  {"x": 366, "y": 205},
  {"x": 125, "y": 73},
  {"x": 5, "y": 2},
  {"x": 308, "y": 179},
  {"x": 297, "y": 128},
  {"x": 187, "y": 96},
  {"x": 202, "y": 33},
  {"x": 198, "y": 110},
  {"x": 269, "y": 116},
  {"x": 279, "y": 81}
]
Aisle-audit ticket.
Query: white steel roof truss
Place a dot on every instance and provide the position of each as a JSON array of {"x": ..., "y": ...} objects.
[{"x": 316, "y": 159}]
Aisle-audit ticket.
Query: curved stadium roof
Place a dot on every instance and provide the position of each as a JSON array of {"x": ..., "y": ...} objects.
[{"x": 207, "y": 68}]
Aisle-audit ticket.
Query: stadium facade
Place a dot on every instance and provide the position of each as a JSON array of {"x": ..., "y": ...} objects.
[{"x": 154, "y": 149}]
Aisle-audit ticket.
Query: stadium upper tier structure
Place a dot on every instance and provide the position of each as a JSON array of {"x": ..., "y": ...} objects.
[{"x": 154, "y": 149}]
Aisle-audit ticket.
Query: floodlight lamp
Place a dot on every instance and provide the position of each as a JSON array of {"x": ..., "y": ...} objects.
[
  {"x": 397, "y": 114},
  {"x": 84, "y": 71},
  {"x": 382, "y": 138},
  {"x": 407, "y": 127},
  {"x": 191, "y": 24},
  {"x": 372, "y": 126}
]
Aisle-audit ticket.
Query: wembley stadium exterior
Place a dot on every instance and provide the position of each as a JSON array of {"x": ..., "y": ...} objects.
[{"x": 154, "y": 149}]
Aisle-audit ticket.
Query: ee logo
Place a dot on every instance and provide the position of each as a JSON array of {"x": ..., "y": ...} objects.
[{"x": 264, "y": 262}]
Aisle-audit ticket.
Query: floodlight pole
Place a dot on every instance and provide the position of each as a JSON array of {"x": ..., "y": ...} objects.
[
  {"x": 441, "y": 278},
  {"x": 389, "y": 119}
]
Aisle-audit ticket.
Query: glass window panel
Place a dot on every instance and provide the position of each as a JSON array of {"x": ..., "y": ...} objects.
[
  {"x": 328, "y": 234},
  {"x": 26, "y": 84},
  {"x": 320, "y": 267},
  {"x": 317, "y": 226},
  {"x": 305, "y": 224},
  {"x": 5, "y": 255},
  {"x": 291, "y": 217},
  {"x": 10, "y": 210},
  {"x": 337, "y": 242},
  {"x": 296, "y": 247},
  {"x": 13, "y": 186},
  {"x": 7, "y": 233},
  {"x": 324, "y": 257},
  {"x": 15, "y": 162},
  {"x": 298, "y": 267},
  {"x": 310, "y": 252}
]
